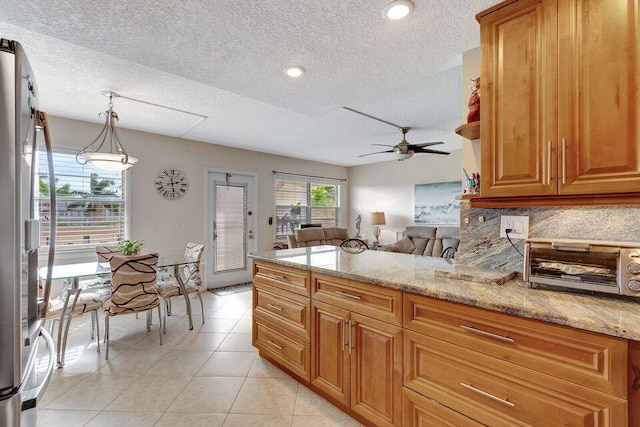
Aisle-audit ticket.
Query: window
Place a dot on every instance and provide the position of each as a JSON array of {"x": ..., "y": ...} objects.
[
  {"x": 305, "y": 200},
  {"x": 90, "y": 203}
]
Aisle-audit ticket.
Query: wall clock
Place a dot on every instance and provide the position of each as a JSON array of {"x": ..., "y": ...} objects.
[{"x": 171, "y": 183}]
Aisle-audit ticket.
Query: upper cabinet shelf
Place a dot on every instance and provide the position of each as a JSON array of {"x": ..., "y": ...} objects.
[{"x": 470, "y": 130}]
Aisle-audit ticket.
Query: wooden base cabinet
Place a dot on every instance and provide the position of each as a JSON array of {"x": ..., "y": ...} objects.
[
  {"x": 499, "y": 393},
  {"x": 281, "y": 323},
  {"x": 390, "y": 358},
  {"x": 357, "y": 360},
  {"x": 502, "y": 370}
]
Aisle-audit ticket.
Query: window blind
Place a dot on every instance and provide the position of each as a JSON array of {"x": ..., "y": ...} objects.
[
  {"x": 91, "y": 203},
  {"x": 305, "y": 200}
]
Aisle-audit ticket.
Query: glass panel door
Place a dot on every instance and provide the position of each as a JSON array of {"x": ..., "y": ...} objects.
[{"x": 230, "y": 226}]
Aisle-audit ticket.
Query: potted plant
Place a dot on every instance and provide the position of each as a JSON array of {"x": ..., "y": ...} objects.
[{"x": 131, "y": 247}]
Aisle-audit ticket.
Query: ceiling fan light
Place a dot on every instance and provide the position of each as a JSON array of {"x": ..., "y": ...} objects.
[
  {"x": 403, "y": 155},
  {"x": 398, "y": 9}
]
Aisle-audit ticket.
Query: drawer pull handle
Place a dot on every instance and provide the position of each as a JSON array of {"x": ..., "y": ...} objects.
[
  {"x": 490, "y": 396},
  {"x": 488, "y": 334},
  {"x": 279, "y": 347},
  {"x": 275, "y": 276},
  {"x": 344, "y": 294},
  {"x": 344, "y": 334},
  {"x": 275, "y": 307}
]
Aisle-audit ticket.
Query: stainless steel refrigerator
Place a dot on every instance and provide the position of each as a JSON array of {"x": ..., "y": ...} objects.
[{"x": 24, "y": 345}]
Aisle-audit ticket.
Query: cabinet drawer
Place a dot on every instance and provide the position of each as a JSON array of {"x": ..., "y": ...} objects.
[
  {"x": 371, "y": 300},
  {"x": 419, "y": 411},
  {"x": 498, "y": 393},
  {"x": 285, "y": 309},
  {"x": 593, "y": 360},
  {"x": 289, "y": 279},
  {"x": 290, "y": 351}
]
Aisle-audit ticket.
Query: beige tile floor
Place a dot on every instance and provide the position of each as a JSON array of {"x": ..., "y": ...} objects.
[{"x": 211, "y": 376}]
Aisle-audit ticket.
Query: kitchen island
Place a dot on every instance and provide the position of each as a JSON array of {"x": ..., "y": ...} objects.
[{"x": 398, "y": 339}]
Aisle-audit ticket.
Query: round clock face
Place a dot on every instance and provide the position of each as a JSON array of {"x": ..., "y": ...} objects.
[{"x": 171, "y": 183}]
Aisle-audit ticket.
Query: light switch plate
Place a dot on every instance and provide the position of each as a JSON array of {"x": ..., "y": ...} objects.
[{"x": 519, "y": 226}]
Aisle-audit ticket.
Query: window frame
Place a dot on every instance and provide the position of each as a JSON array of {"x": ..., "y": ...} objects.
[
  {"x": 309, "y": 181},
  {"x": 75, "y": 252}
]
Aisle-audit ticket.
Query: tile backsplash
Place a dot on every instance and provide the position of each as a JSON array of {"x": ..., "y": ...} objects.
[{"x": 481, "y": 244}]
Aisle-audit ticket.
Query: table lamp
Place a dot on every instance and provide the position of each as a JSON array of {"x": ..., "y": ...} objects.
[{"x": 376, "y": 218}]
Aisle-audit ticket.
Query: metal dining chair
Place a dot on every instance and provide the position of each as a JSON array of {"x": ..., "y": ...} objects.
[
  {"x": 133, "y": 290},
  {"x": 73, "y": 303},
  {"x": 188, "y": 282},
  {"x": 354, "y": 245}
]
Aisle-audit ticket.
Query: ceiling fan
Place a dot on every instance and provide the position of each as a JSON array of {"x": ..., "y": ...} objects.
[{"x": 403, "y": 150}]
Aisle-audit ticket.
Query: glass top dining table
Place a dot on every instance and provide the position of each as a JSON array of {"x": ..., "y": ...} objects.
[
  {"x": 85, "y": 269},
  {"x": 77, "y": 271}
]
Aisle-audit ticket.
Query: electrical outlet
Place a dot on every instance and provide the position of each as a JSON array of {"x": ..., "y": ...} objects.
[{"x": 519, "y": 226}]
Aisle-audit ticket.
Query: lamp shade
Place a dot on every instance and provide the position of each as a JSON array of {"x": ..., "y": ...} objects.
[{"x": 377, "y": 218}]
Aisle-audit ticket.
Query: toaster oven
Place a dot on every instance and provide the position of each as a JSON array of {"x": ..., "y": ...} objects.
[{"x": 611, "y": 267}]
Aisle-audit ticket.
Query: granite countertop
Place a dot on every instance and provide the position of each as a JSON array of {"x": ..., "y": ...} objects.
[{"x": 487, "y": 288}]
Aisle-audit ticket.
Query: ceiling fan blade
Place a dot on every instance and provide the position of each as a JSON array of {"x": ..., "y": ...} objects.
[
  {"x": 427, "y": 144},
  {"x": 384, "y": 145},
  {"x": 426, "y": 150},
  {"x": 375, "y": 118},
  {"x": 378, "y": 152}
]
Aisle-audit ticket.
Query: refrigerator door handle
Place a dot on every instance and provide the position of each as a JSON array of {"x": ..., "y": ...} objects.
[
  {"x": 31, "y": 397},
  {"x": 41, "y": 123}
]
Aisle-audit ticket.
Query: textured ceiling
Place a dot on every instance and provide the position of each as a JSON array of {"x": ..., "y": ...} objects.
[{"x": 224, "y": 59}]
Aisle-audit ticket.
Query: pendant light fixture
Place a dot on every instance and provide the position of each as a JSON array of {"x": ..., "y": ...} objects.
[{"x": 116, "y": 158}]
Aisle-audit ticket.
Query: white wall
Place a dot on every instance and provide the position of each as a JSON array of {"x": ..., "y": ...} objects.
[
  {"x": 470, "y": 71},
  {"x": 388, "y": 187},
  {"x": 167, "y": 225}
]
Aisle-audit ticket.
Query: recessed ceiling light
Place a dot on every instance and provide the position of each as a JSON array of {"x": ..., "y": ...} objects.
[
  {"x": 294, "y": 71},
  {"x": 398, "y": 9}
]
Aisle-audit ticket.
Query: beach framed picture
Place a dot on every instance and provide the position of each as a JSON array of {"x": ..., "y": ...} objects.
[{"x": 436, "y": 204}]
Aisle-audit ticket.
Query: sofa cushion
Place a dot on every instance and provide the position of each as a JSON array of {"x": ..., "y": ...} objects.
[
  {"x": 420, "y": 245},
  {"x": 405, "y": 245},
  {"x": 309, "y": 237},
  {"x": 421, "y": 231},
  {"x": 318, "y": 236},
  {"x": 446, "y": 237},
  {"x": 335, "y": 235},
  {"x": 428, "y": 249}
]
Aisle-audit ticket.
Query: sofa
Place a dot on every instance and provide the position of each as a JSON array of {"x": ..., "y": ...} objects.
[
  {"x": 317, "y": 237},
  {"x": 429, "y": 241}
]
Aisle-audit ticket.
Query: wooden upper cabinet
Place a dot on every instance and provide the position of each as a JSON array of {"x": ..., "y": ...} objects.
[
  {"x": 518, "y": 47},
  {"x": 599, "y": 97},
  {"x": 560, "y": 98}
]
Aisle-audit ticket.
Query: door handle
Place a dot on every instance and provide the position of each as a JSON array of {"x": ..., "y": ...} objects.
[
  {"x": 215, "y": 230},
  {"x": 564, "y": 160},
  {"x": 549, "y": 162}
]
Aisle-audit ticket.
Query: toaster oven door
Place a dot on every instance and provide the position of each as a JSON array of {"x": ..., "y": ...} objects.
[{"x": 579, "y": 267}]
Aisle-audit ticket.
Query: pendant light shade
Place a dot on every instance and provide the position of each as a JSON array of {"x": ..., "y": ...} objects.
[{"x": 116, "y": 158}]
